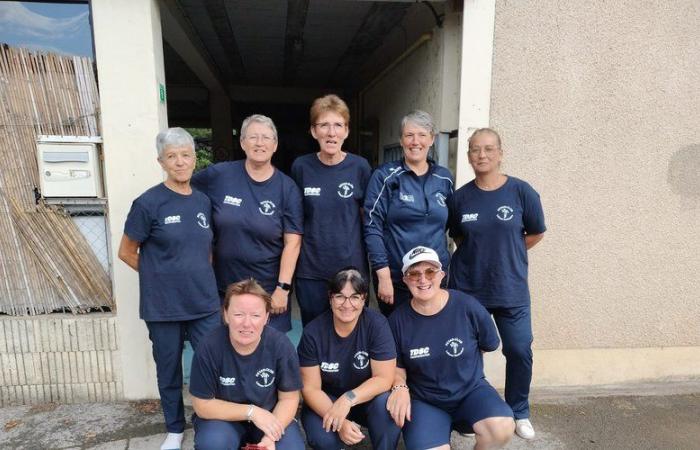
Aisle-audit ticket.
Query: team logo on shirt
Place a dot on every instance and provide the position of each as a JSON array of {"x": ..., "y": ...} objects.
[
  {"x": 345, "y": 189},
  {"x": 360, "y": 360},
  {"x": 329, "y": 367},
  {"x": 454, "y": 347},
  {"x": 312, "y": 191},
  {"x": 171, "y": 219},
  {"x": 202, "y": 220},
  {"x": 470, "y": 217},
  {"x": 406, "y": 197},
  {"x": 267, "y": 208},
  {"x": 227, "y": 381},
  {"x": 441, "y": 198},
  {"x": 419, "y": 352},
  {"x": 505, "y": 213},
  {"x": 264, "y": 377},
  {"x": 234, "y": 201}
]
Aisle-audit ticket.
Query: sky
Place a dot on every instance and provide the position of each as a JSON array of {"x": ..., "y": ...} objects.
[{"x": 50, "y": 27}]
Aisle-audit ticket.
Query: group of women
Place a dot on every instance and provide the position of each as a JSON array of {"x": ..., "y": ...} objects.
[{"x": 238, "y": 226}]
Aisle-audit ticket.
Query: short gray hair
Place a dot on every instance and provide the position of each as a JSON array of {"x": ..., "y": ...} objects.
[
  {"x": 258, "y": 118},
  {"x": 421, "y": 119},
  {"x": 173, "y": 137}
]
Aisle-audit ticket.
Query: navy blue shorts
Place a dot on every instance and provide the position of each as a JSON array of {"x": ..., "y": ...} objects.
[{"x": 430, "y": 425}]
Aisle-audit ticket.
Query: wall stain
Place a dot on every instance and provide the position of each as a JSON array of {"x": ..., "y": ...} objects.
[{"x": 684, "y": 172}]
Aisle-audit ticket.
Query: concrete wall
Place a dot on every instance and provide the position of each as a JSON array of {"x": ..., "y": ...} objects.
[{"x": 597, "y": 103}]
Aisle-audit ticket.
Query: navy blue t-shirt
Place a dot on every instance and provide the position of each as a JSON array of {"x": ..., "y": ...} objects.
[
  {"x": 221, "y": 373},
  {"x": 250, "y": 219},
  {"x": 404, "y": 210},
  {"x": 176, "y": 279},
  {"x": 345, "y": 362},
  {"x": 442, "y": 353},
  {"x": 491, "y": 262},
  {"x": 333, "y": 197}
]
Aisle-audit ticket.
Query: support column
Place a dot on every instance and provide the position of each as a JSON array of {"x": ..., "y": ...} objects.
[
  {"x": 475, "y": 85},
  {"x": 129, "y": 53},
  {"x": 221, "y": 126}
]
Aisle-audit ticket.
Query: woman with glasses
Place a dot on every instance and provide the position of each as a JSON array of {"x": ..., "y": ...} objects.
[
  {"x": 245, "y": 378},
  {"x": 495, "y": 220},
  {"x": 406, "y": 206},
  {"x": 347, "y": 357},
  {"x": 333, "y": 183},
  {"x": 439, "y": 382},
  {"x": 167, "y": 240},
  {"x": 257, "y": 216}
]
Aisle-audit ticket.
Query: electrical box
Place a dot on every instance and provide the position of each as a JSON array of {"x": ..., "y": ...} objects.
[{"x": 69, "y": 166}]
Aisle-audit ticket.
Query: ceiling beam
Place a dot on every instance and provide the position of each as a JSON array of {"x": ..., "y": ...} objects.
[
  {"x": 216, "y": 9},
  {"x": 294, "y": 38}
]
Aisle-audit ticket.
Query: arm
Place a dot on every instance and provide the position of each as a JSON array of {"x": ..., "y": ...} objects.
[
  {"x": 399, "y": 402},
  {"x": 532, "y": 239},
  {"x": 375, "y": 210},
  {"x": 288, "y": 262},
  {"x": 129, "y": 252}
]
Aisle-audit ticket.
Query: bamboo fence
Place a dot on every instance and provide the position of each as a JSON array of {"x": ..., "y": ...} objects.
[{"x": 46, "y": 265}]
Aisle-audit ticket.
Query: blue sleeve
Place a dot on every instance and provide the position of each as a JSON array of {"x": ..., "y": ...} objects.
[
  {"x": 293, "y": 218},
  {"x": 307, "y": 350},
  {"x": 138, "y": 222},
  {"x": 295, "y": 172},
  {"x": 287, "y": 366},
  {"x": 376, "y": 206},
  {"x": 201, "y": 179},
  {"x": 365, "y": 173},
  {"x": 393, "y": 325},
  {"x": 484, "y": 328},
  {"x": 203, "y": 375},
  {"x": 453, "y": 219},
  {"x": 533, "y": 216},
  {"x": 382, "y": 347}
]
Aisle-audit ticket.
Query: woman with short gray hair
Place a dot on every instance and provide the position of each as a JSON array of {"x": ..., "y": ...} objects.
[
  {"x": 168, "y": 240},
  {"x": 258, "y": 218},
  {"x": 406, "y": 206}
]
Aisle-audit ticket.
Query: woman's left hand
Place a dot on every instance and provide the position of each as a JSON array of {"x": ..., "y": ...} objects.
[
  {"x": 334, "y": 417},
  {"x": 267, "y": 442},
  {"x": 279, "y": 301}
]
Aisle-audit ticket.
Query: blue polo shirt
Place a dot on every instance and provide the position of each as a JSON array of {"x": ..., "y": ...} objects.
[
  {"x": 345, "y": 361},
  {"x": 176, "y": 279},
  {"x": 250, "y": 219},
  {"x": 221, "y": 373},
  {"x": 404, "y": 210},
  {"x": 333, "y": 198},
  {"x": 491, "y": 262},
  {"x": 442, "y": 353}
]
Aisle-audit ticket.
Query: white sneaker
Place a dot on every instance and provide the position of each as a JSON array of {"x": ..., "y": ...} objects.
[
  {"x": 524, "y": 429},
  {"x": 173, "y": 441}
]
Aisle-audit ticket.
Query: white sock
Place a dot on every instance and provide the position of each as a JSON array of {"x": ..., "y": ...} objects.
[{"x": 173, "y": 441}]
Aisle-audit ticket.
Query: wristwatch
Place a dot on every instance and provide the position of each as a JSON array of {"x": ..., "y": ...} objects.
[
  {"x": 350, "y": 395},
  {"x": 285, "y": 286}
]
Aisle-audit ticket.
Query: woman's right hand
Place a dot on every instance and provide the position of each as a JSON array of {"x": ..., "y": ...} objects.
[
  {"x": 267, "y": 423},
  {"x": 385, "y": 290},
  {"x": 350, "y": 433},
  {"x": 399, "y": 406}
]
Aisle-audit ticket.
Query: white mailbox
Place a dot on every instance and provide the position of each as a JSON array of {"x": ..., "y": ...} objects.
[{"x": 69, "y": 166}]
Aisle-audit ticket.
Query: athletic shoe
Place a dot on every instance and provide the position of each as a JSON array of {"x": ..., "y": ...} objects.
[{"x": 524, "y": 429}]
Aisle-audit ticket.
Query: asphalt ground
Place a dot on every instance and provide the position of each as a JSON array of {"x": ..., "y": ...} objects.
[{"x": 642, "y": 416}]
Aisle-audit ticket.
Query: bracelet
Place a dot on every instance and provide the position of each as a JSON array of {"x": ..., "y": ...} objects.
[
  {"x": 399, "y": 386},
  {"x": 249, "y": 414}
]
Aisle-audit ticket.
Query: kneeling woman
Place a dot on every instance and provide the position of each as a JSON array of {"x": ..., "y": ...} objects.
[
  {"x": 348, "y": 360},
  {"x": 439, "y": 383},
  {"x": 245, "y": 378}
]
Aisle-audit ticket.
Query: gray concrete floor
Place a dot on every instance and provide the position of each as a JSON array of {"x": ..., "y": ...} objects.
[{"x": 651, "y": 416}]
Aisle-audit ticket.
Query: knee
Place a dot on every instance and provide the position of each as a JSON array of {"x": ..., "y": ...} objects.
[
  {"x": 216, "y": 437},
  {"x": 316, "y": 436},
  {"x": 495, "y": 432},
  {"x": 518, "y": 350}
]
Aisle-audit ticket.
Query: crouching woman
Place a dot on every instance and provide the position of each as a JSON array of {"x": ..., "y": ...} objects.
[{"x": 245, "y": 378}]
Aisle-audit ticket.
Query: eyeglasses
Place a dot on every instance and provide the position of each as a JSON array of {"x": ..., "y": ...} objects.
[
  {"x": 266, "y": 138},
  {"x": 415, "y": 275},
  {"x": 489, "y": 150},
  {"x": 326, "y": 126},
  {"x": 340, "y": 299}
]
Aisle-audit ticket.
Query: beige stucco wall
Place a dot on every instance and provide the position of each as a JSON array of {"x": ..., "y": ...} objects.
[{"x": 598, "y": 104}]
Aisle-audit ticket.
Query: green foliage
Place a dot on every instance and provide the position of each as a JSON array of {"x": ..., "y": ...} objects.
[{"x": 202, "y": 146}]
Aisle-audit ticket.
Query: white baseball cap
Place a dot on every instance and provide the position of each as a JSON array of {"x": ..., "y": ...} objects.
[{"x": 420, "y": 254}]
